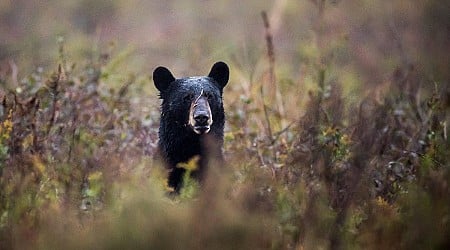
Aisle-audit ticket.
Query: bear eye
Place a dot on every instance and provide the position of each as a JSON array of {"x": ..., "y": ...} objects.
[
  {"x": 209, "y": 96},
  {"x": 188, "y": 97}
]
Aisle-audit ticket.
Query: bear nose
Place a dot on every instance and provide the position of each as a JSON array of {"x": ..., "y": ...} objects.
[{"x": 201, "y": 118}]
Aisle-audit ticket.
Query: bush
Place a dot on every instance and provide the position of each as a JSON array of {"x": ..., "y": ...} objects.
[{"x": 325, "y": 155}]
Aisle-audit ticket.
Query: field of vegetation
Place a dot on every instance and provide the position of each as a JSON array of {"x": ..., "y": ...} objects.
[{"x": 337, "y": 131}]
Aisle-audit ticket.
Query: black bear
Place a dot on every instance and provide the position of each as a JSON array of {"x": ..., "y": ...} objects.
[{"x": 192, "y": 119}]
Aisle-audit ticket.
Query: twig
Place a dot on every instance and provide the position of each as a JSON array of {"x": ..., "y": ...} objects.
[
  {"x": 272, "y": 75},
  {"x": 284, "y": 130},
  {"x": 270, "y": 49},
  {"x": 52, "y": 84},
  {"x": 266, "y": 113},
  {"x": 271, "y": 56},
  {"x": 36, "y": 141},
  {"x": 73, "y": 128},
  {"x": 445, "y": 130},
  {"x": 14, "y": 72}
]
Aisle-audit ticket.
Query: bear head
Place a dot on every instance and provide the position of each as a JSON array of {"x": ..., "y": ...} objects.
[{"x": 193, "y": 103}]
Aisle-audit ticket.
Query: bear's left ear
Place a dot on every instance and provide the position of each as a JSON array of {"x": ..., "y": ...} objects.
[
  {"x": 220, "y": 73},
  {"x": 162, "y": 77}
]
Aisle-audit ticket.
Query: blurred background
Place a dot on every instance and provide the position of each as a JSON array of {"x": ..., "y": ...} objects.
[
  {"x": 360, "y": 43},
  {"x": 336, "y": 133},
  {"x": 189, "y": 35}
]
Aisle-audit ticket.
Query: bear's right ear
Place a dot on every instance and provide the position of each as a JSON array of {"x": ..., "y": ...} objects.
[{"x": 162, "y": 77}]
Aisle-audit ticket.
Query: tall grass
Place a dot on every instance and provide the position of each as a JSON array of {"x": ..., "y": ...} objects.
[{"x": 337, "y": 146}]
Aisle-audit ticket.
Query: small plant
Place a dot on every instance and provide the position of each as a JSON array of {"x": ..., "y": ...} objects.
[{"x": 5, "y": 133}]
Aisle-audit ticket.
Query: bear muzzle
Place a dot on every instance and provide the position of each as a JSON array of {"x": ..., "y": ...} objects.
[{"x": 200, "y": 117}]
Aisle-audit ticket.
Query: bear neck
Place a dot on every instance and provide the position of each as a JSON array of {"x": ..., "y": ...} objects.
[{"x": 179, "y": 143}]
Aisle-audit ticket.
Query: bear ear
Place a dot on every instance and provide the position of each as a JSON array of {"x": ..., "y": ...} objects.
[
  {"x": 220, "y": 73},
  {"x": 162, "y": 78}
]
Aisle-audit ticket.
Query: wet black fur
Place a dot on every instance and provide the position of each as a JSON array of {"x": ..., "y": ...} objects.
[{"x": 177, "y": 141}]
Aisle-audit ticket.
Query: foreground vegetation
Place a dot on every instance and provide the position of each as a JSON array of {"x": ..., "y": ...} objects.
[{"x": 323, "y": 154}]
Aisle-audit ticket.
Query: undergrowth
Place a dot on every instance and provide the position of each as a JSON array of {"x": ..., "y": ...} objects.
[
  {"x": 332, "y": 171},
  {"x": 78, "y": 170}
]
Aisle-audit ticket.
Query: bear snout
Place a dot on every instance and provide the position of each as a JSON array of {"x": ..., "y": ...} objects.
[{"x": 200, "y": 117}]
